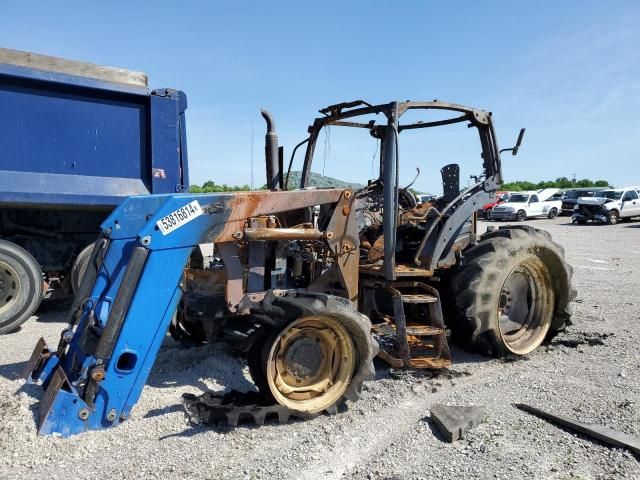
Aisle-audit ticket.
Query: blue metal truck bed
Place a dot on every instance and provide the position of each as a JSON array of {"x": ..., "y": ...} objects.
[{"x": 75, "y": 140}]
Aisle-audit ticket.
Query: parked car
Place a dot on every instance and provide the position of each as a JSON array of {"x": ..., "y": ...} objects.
[
  {"x": 501, "y": 197},
  {"x": 571, "y": 198},
  {"x": 523, "y": 205},
  {"x": 609, "y": 206}
]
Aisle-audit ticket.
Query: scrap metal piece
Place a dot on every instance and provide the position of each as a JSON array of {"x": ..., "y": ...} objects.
[
  {"x": 454, "y": 421},
  {"x": 593, "y": 430},
  {"x": 234, "y": 407}
]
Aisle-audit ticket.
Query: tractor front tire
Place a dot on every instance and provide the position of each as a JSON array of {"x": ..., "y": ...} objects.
[
  {"x": 512, "y": 291},
  {"x": 314, "y": 354}
]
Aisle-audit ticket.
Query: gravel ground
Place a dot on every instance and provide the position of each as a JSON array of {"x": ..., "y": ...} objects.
[{"x": 591, "y": 372}]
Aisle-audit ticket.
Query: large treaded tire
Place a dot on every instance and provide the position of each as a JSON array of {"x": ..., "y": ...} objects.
[
  {"x": 28, "y": 286},
  {"x": 275, "y": 312},
  {"x": 477, "y": 285}
]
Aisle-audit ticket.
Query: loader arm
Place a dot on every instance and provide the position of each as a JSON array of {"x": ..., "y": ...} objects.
[{"x": 121, "y": 315}]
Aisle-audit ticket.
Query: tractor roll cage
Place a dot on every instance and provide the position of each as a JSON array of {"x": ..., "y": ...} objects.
[{"x": 337, "y": 114}]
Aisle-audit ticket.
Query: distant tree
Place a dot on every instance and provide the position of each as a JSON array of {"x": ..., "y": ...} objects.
[
  {"x": 563, "y": 182},
  {"x": 560, "y": 182},
  {"x": 584, "y": 183},
  {"x": 211, "y": 187}
]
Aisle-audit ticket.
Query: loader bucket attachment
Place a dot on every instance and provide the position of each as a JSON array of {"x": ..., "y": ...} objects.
[
  {"x": 95, "y": 376},
  {"x": 41, "y": 363},
  {"x": 61, "y": 409}
]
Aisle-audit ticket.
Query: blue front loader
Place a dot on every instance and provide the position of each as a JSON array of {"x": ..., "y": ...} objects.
[{"x": 128, "y": 296}]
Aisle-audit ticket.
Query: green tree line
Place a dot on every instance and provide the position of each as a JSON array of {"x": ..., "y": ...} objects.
[
  {"x": 561, "y": 182},
  {"x": 212, "y": 187}
]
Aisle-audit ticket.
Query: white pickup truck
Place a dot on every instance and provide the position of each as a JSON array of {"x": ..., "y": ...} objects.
[
  {"x": 609, "y": 206},
  {"x": 523, "y": 205}
]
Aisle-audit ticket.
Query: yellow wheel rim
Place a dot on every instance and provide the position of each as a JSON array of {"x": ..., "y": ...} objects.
[{"x": 310, "y": 363}]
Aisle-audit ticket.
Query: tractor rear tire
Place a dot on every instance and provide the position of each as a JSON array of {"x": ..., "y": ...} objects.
[
  {"x": 291, "y": 350},
  {"x": 512, "y": 291},
  {"x": 21, "y": 286}
]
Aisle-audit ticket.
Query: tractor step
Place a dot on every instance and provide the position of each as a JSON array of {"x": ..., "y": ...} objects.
[
  {"x": 423, "y": 330},
  {"x": 415, "y": 335},
  {"x": 419, "y": 298}
]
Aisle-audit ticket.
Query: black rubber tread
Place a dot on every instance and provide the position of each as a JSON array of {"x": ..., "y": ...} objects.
[
  {"x": 29, "y": 271},
  {"x": 477, "y": 282},
  {"x": 234, "y": 407},
  {"x": 80, "y": 266},
  {"x": 294, "y": 304}
]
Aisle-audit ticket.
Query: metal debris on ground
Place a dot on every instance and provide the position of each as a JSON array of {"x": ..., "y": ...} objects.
[
  {"x": 455, "y": 421},
  {"x": 599, "y": 432}
]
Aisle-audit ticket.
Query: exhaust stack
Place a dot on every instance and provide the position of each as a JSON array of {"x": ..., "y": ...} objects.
[{"x": 271, "y": 153}]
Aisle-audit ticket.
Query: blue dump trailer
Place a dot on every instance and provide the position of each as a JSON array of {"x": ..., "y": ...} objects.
[{"x": 75, "y": 140}]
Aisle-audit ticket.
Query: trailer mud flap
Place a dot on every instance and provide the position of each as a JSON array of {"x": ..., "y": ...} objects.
[{"x": 61, "y": 409}]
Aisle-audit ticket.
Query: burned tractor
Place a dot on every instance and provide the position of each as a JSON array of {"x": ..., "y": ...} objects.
[{"x": 310, "y": 284}]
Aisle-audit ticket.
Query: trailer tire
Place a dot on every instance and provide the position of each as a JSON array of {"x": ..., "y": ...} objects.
[
  {"x": 79, "y": 267},
  {"x": 21, "y": 286},
  {"x": 515, "y": 267},
  {"x": 293, "y": 309}
]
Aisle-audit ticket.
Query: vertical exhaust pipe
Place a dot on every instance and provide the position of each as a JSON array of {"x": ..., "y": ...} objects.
[{"x": 271, "y": 153}]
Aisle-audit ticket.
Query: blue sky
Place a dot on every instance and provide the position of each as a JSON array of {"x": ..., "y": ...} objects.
[{"x": 567, "y": 71}]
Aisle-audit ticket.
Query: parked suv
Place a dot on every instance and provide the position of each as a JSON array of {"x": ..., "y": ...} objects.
[{"x": 609, "y": 206}]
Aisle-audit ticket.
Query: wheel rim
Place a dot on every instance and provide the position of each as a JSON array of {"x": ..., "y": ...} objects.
[
  {"x": 310, "y": 364},
  {"x": 10, "y": 286},
  {"x": 614, "y": 217},
  {"x": 525, "y": 308}
]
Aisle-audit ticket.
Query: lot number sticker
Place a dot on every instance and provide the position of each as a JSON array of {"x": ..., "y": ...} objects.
[{"x": 179, "y": 217}]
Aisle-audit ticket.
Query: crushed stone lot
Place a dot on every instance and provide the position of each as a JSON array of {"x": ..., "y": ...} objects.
[{"x": 591, "y": 373}]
